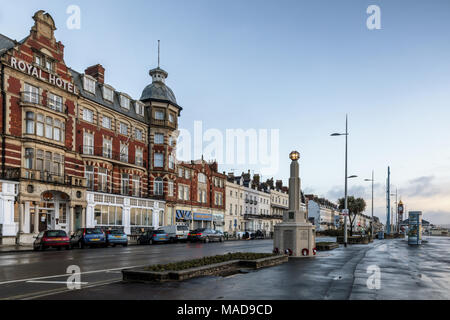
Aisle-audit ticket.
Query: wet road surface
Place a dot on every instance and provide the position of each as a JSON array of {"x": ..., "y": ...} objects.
[{"x": 406, "y": 273}]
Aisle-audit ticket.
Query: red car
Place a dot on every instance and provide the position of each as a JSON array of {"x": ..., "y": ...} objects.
[{"x": 52, "y": 239}]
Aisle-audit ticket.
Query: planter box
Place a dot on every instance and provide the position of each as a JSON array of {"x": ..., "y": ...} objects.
[{"x": 141, "y": 275}]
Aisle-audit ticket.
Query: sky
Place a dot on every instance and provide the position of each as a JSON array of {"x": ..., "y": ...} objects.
[{"x": 294, "y": 66}]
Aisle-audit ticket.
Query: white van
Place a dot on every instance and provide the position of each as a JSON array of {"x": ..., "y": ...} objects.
[{"x": 176, "y": 232}]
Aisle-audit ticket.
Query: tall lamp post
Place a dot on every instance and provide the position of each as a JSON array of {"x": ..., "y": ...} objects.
[
  {"x": 371, "y": 180},
  {"x": 346, "y": 177}
]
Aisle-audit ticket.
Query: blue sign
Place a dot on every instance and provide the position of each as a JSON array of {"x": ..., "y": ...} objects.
[{"x": 183, "y": 215}]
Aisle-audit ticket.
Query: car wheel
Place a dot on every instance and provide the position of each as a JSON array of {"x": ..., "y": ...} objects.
[
  {"x": 114, "y": 245},
  {"x": 68, "y": 247},
  {"x": 220, "y": 239},
  {"x": 150, "y": 241},
  {"x": 59, "y": 248},
  {"x": 125, "y": 245},
  {"x": 206, "y": 240},
  {"x": 81, "y": 245},
  {"x": 42, "y": 247},
  {"x": 35, "y": 248}
]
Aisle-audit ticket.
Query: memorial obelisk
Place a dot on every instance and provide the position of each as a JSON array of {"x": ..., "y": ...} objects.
[{"x": 295, "y": 235}]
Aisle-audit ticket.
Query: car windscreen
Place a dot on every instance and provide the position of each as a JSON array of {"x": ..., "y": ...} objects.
[
  {"x": 159, "y": 231},
  {"x": 93, "y": 231},
  {"x": 116, "y": 232},
  {"x": 56, "y": 233},
  {"x": 200, "y": 230}
]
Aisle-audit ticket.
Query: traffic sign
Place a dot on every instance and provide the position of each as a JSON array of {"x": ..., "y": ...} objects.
[{"x": 345, "y": 212}]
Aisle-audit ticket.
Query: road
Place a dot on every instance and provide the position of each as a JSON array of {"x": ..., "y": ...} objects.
[{"x": 405, "y": 273}]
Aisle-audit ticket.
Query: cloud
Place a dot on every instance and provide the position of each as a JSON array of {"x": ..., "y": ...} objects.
[{"x": 422, "y": 187}]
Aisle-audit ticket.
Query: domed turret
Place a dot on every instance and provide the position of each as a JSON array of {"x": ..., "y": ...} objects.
[{"x": 158, "y": 90}]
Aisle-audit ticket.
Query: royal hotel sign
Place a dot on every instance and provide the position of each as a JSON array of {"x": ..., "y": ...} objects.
[{"x": 39, "y": 74}]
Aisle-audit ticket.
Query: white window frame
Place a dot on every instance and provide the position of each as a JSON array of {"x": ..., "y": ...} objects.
[
  {"x": 159, "y": 138},
  {"x": 89, "y": 84},
  {"x": 139, "y": 157},
  {"x": 105, "y": 125},
  {"x": 124, "y": 102},
  {"x": 88, "y": 115},
  {"x": 108, "y": 94},
  {"x": 122, "y": 126},
  {"x": 139, "y": 106},
  {"x": 88, "y": 143},
  {"x": 55, "y": 102},
  {"x": 158, "y": 160}
]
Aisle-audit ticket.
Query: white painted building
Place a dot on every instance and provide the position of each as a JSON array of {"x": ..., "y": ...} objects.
[{"x": 123, "y": 212}]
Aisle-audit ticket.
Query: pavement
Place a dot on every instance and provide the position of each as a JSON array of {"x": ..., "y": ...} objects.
[{"x": 406, "y": 272}]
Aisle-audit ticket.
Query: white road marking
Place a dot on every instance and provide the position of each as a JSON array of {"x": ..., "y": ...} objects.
[
  {"x": 66, "y": 274},
  {"x": 55, "y": 282}
]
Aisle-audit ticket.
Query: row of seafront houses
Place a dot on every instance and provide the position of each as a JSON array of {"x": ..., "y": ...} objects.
[{"x": 75, "y": 152}]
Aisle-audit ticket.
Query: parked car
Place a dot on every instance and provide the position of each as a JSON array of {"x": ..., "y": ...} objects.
[
  {"x": 176, "y": 232},
  {"x": 51, "y": 239},
  {"x": 205, "y": 235},
  {"x": 115, "y": 237},
  {"x": 153, "y": 236},
  {"x": 88, "y": 237},
  {"x": 257, "y": 235}
]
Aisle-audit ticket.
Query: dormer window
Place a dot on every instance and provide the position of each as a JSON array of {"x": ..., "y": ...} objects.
[
  {"x": 139, "y": 108},
  {"x": 108, "y": 93},
  {"x": 124, "y": 102},
  {"x": 89, "y": 84}
]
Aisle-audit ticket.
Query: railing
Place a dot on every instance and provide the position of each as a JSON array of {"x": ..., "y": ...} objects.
[
  {"x": 10, "y": 174},
  {"x": 249, "y": 216},
  {"x": 109, "y": 154},
  {"x": 45, "y": 176},
  {"x": 34, "y": 98},
  {"x": 165, "y": 123}
]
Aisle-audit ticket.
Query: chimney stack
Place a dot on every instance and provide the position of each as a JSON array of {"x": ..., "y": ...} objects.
[{"x": 97, "y": 71}]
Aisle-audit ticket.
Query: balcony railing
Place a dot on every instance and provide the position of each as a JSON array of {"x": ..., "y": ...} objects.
[
  {"x": 10, "y": 174},
  {"x": 45, "y": 176},
  {"x": 34, "y": 98},
  {"x": 109, "y": 154},
  {"x": 165, "y": 123}
]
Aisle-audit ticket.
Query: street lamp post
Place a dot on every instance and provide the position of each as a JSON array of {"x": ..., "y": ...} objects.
[
  {"x": 346, "y": 177},
  {"x": 372, "y": 180}
]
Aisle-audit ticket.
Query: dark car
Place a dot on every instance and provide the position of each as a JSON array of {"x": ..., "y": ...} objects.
[
  {"x": 257, "y": 235},
  {"x": 205, "y": 235},
  {"x": 51, "y": 239},
  {"x": 88, "y": 237},
  {"x": 153, "y": 236},
  {"x": 115, "y": 237}
]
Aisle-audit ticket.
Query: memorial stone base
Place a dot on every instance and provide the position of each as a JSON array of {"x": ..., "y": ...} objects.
[{"x": 295, "y": 236}]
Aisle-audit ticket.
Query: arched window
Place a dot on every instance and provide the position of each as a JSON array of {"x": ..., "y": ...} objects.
[
  {"x": 30, "y": 122},
  {"x": 158, "y": 187}
]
